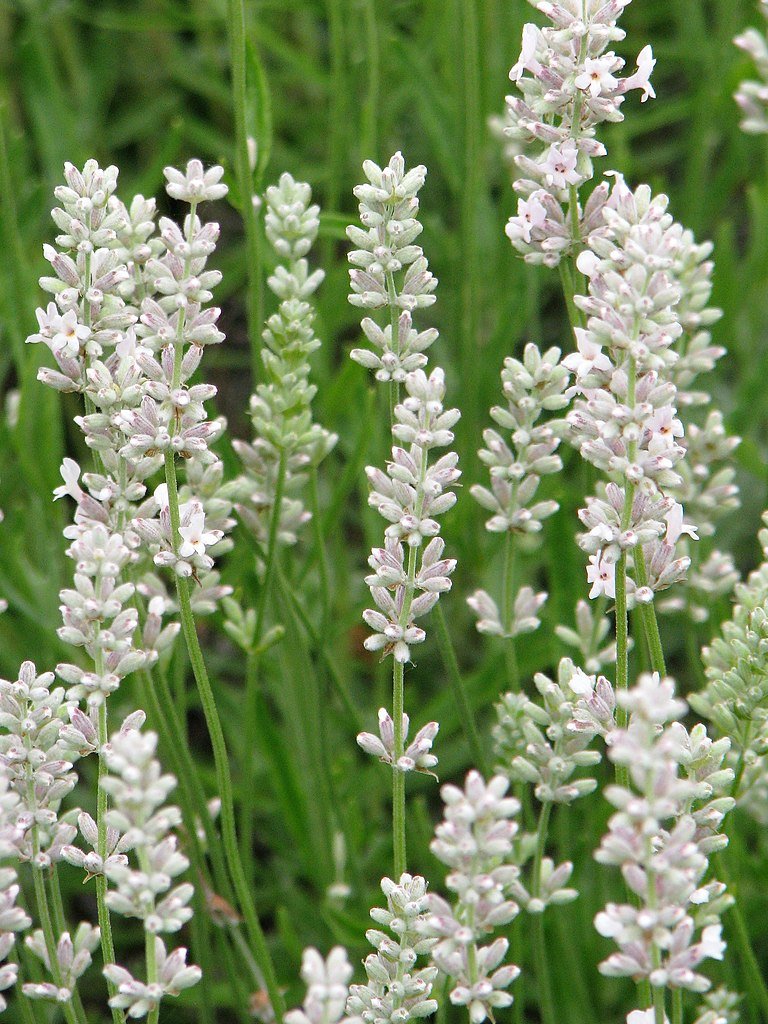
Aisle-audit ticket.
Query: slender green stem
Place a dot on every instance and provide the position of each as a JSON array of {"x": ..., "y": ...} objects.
[
  {"x": 44, "y": 912},
  {"x": 398, "y": 776},
  {"x": 648, "y": 616},
  {"x": 60, "y": 925},
  {"x": 677, "y": 1006},
  {"x": 291, "y": 600},
  {"x": 271, "y": 555},
  {"x": 467, "y": 716},
  {"x": 566, "y": 279},
  {"x": 149, "y": 939},
  {"x": 237, "y": 24},
  {"x": 253, "y": 663},
  {"x": 507, "y": 609},
  {"x": 105, "y": 924},
  {"x": 546, "y": 999},
  {"x": 322, "y": 558},
  {"x": 221, "y": 761}
]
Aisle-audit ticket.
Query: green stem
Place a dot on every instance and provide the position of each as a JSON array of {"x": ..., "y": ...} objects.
[
  {"x": 398, "y": 777},
  {"x": 677, "y": 1006},
  {"x": 149, "y": 939},
  {"x": 547, "y": 1003},
  {"x": 44, "y": 912},
  {"x": 507, "y": 609},
  {"x": 566, "y": 279},
  {"x": 237, "y": 23},
  {"x": 648, "y": 616},
  {"x": 252, "y": 673},
  {"x": 221, "y": 761},
  {"x": 60, "y": 925},
  {"x": 291, "y": 600},
  {"x": 105, "y": 925},
  {"x": 466, "y": 714},
  {"x": 322, "y": 558},
  {"x": 659, "y": 1007}
]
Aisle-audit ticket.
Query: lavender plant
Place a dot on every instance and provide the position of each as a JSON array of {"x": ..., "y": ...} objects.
[{"x": 166, "y": 529}]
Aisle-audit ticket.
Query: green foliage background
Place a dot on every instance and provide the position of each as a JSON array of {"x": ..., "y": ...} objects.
[{"x": 332, "y": 82}]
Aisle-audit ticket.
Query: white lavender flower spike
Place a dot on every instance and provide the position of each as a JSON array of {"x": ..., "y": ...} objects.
[
  {"x": 142, "y": 882},
  {"x": 475, "y": 841},
  {"x": 327, "y": 983},
  {"x": 409, "y": 496},
  {"x": 570, "y": 84},
  {"x": 73, "y": 958},
  {"x": 396, "y": 988},
  {"x": 666, "y": 825},
  {"x": 287, "y": 442},
  {"x": 545, "y": 744},
  {"x": 391, "y": 270},
  {"x": 752, "y": 95}
]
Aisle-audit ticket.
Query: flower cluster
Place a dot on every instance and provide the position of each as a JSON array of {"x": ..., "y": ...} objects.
[
  {"x": 569, "y": 83},
  {"x": 409, "y": 496},
  {"x": 13, "y": 919},
  {"x": 390, "y": 269},
  {"x": 327, "y": 988},
  {"x": 287, "y": 442},
  {"x": 44, "y": 732},
  {"x": 73, "y": 958},
  {"x": 475, "y": 841},
  {"x": 137, "y": 322},
  {"x": 141, "y": 824},
  {"x": 416, "y": 756},
  {"x": 752, "y": 96},
  {"x": 531, "y": 387},
  {"x": 36, "y": 754},
  {"x": 735, "y": 699},
  {"x": 665, "y": 827},
  {"x": 544, "y": 745},
  {"x": 625, "y": 421},
  {"x": 397, "y": 989}
]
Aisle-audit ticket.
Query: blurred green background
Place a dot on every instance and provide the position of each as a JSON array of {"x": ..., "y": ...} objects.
[{"x": 145, "y": 84}]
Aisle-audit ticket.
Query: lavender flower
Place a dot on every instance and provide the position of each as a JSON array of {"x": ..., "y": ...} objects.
[
  {"x": 327, "y": 988},
  {"x": 626, "y": 421},
  {"x": 475, "y": 841},
  {"x": 391, "y": 269},
  {"x": 666, "y": 825},
  {"x": 417, "y": 755},
  {"x": 752, "y": 95},
  {"x": 570, "y": 84},
  {"x": 736, "y": 695},
  {"x": 409, "y": 496},
  {"x": 396, "y": 989},
  {"x": 145, "y": 890},
  {"x": 287, "y": 443},
  {"x": 531, "y": 387}
]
